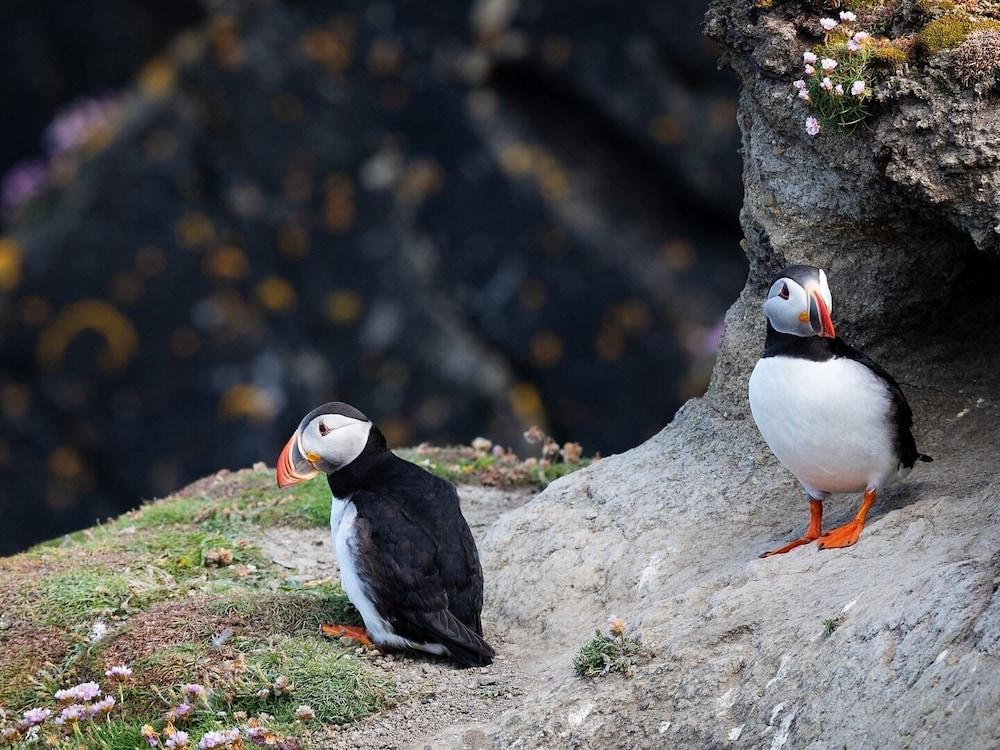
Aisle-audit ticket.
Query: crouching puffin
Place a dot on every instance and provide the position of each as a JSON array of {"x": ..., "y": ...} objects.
[
  {"x": 407, "y": 559},
  {"x": 832, "y": 416}
]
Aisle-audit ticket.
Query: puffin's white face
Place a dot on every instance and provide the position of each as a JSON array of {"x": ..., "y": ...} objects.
[
  {"x": 324, "y": 442},
  {"x": 801, "y": 310}
]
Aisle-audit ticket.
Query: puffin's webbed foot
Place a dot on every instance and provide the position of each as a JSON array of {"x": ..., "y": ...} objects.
[
  {"x": 812, "y": 533},
  {"x": 356, "y": 634},
  {"x": 846, "y": 535}
]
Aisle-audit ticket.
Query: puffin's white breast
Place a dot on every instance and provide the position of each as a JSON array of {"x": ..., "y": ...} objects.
[
  {"x": 827, "y": 422},
  {"x": 342, "y": 517}
]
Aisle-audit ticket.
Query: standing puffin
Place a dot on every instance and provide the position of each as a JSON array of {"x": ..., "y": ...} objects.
[
  {"x": 833, "y": 417},
  {"x": 407, "y": 559}
]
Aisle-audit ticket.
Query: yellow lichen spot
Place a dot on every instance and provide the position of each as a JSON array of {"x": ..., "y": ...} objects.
[
  {"x": 532, "y": 294},
  {"x": 331, "y": 49},
  {"x": 10, "y": 264},
  {"x": 293, "y": 242},
  {"x": 35, "y": 310},
  {"x": 523, "y": 160},
  {"x": 633, "y": 315},
  {"x": 385, "y": 57},
  {"x": 65, "y": 463},
  {"x": 422, "y": 178},
  {"x": 343, "y": 306},
  {"x": 151, "y": 261},
  {"x": 157, "y": 78},
  {"x": 546, "y": 349},
  {"x": 888, "y": 56},
  {"x": 194, "y": 229},
  {"x": 678, "y": 254},
  {"x": 16, "y": 400},
  {"x": 609, "y": 343},
  {"x": 120, "y": 339},
  {"x": 276, "y": 294},
  {"x": 665, "y": 129},
  {"x": 126, "y": 287},
  {"x": 184, "y": 342},
  {"x": 517, "y": 159},
  {"x": 246, "y": 401},
  {"x": 286, "y": 108},
  {"x": 526, "y": 402},
  {"x": 223, "y": 32},
  {"x": 227, "y": 262},
  {"x": 338, "y": 203}
]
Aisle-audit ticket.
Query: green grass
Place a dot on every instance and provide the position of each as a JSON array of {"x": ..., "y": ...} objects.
[
  {"x": 830, "y": 625},
  {"x": 338, "y": 686},
  {"x": 308, "y": 507},
  {"x": 604, "y": 654},
  {"x": 291, "y": 610},
  {"x": 75, "y": 596}
]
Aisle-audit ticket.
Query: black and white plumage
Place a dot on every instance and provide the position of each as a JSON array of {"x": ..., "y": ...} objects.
[
  {"x": 408, "y": 561},
  {"x": 832, "y": 416}
]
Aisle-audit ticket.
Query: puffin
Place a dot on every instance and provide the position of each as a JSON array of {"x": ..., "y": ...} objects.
[
  {"x": 408, "y": 561},
  {"x": 831, "y": 415}
]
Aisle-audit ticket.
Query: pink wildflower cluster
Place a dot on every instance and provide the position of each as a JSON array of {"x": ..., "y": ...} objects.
[
  {"x": 821, "y": 72},
  {"x": 219, "y": 739}
]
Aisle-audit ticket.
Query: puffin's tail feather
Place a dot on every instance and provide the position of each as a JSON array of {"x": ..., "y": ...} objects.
[
  {"x": 466, "y": 647},
  {"x": 926, "y": 458}
]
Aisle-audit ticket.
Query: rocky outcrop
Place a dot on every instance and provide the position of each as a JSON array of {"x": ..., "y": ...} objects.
[{"x": 893, "y": 642}]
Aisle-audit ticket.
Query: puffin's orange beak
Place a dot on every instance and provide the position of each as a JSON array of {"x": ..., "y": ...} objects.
[
  {"x": 293, "y": 467},
  {"x": 819, "y": 315}
]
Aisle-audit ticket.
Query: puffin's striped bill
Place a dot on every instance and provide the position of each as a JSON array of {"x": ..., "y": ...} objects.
[{"x": 293, "y": 467}]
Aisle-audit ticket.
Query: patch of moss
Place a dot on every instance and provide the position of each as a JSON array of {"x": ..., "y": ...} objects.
[
  {"x": 293, "y": 610},
  {"x": 889, "y": 57},
  {"x": 861, "y": 6},
  {"x": 337, "y": 685},
  {"x": 935, "y": 7},
  {"x": 75, "y": 596},
  {"x": 945, "y": 32}
]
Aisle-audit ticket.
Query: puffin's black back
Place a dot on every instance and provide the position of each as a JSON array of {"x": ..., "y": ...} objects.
[{"x": 417, "y": 554}]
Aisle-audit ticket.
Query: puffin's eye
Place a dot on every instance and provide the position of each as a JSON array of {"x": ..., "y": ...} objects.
[
  {"x": 784, "y": 291},
  {"x": 323, "y": 429}
]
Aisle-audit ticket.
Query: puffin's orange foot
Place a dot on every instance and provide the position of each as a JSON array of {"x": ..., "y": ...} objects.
[
  {"x": 790, "y": 546},
  {"x": 842, "y": 536},
  {"x": 356, "y": 634}
]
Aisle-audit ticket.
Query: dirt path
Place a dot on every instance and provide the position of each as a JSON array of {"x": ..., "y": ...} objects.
[{"x": 437, "y": 706}]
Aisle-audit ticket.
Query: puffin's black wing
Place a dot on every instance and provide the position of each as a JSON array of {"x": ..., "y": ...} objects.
[
  {"x": 902, "y": 415},
  {"x": 416, "y": 553}
]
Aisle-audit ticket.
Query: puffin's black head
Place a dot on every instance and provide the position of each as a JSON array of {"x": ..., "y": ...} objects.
[
  {"x": 329, "y": 438},
  {"x": 800, "y": 303}
]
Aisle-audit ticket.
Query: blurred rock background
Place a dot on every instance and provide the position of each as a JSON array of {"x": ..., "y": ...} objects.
[{"x": 463, "y": 219}]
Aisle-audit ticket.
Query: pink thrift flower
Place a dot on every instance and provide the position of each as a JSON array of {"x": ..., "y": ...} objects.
[
  {"x": 305, "y": 713},
  {"x": 218, "y": 739},
  {"x": 860, "y": 37},
  {"x": 826, "y": 84},
  {"x": 34, "y": 716},
  {"x": 852, "y": 45},
  {"x": 118, "y": 672},
  {"x": 178, "y": 740},
  {"x": 195, "y": 691},
  {"x": 858, "y": 88},
  {"x": 809, "y": 58},
  {"x": 828, "y": 24},
  {"x": 102, "y": 706},
  {"x": 799, "y": 85},
  {"x": 812, "y": 126},
  {"x": 847, "y": 16},
  {"x": 838, "y": 90},
  {"x": 804, "y": 96},
  {"x": 810, "y": 70},
  {"x": 829, "y": 64}
]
